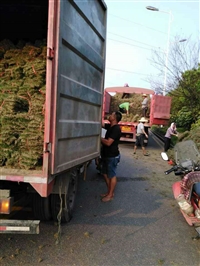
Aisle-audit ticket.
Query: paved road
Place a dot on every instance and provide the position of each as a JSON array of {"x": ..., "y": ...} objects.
[{"x": 141, "y": 226}]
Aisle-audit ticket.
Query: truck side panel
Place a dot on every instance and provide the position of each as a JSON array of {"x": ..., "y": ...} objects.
[
  {"x": 160, "y": 110},
  {"x": 80, "y": 72},
  {"x": 106, "y": 104}
]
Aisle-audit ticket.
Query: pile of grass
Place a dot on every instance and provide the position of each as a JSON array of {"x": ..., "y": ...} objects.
[
  {"x": 22, "y": 99},
  {"x": 135, "y": 112}
]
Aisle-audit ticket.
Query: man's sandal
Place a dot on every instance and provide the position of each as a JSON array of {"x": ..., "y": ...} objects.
[
  {"x": 104, "y": 195},
  {"x": 106, "y": 199}
]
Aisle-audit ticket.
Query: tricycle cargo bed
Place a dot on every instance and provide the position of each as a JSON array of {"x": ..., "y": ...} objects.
[{"x": 52, "y": 64}]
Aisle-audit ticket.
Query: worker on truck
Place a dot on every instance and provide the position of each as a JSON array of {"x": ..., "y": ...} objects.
[
  {"x": 125, "y": 94},
  {"x": 124, "y": 107},
  {"x": 144, "y": 105}
]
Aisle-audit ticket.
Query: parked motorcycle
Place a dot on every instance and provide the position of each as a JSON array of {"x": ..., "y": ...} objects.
[{"x": 187, "y": 190}]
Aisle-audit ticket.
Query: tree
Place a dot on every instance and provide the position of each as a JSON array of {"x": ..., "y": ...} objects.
[
  {"x": 183, "y": 80},
  {"x": 182, "y": 56},
  {"x": 186, "y": 99}
]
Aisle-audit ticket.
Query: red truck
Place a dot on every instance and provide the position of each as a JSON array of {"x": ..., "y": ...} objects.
[
  {"x": 75, "y": 67},
  {"x": 159, "y": 110}
]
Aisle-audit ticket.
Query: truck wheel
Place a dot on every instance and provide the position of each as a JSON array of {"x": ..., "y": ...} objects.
[
  {"x": 68, "y": 201},
  {"x": 41, "y": 207}
]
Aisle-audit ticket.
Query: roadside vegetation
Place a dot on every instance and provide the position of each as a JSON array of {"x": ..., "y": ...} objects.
[{"x": 183, "y": 86}]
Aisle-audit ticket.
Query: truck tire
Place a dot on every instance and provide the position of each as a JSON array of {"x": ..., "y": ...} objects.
[
  {"x": 41, "y": 208},
  {"x": 68, "y": 201}
]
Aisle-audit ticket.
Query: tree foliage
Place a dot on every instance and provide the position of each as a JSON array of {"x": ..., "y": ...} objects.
[
  {"x": 183, "y": 56},
  {"x": 186, "y": 99},
  {"x": 183, "y": 80}
]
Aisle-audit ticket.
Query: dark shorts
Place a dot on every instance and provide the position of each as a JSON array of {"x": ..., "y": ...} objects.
[
  {"x": 109, "y": 166},
  {"x": 144, "y": 111},
  {"x": 122, "y": 110},
  {"x": 140, "y": 140}
]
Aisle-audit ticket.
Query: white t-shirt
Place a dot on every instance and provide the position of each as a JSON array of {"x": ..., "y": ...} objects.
[
  {"x": 144, "y": 102},
  {"x": 103, "y": 132},
  {"x": 140, "y": 128}
]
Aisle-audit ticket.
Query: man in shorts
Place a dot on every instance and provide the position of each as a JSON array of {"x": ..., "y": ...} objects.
[
  {"x": 110, "y": 154},
  {"x": 140, "y": 136}
]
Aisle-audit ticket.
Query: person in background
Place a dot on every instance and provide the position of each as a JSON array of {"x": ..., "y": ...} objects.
[
  {"x": 124, "y": 107},
  {"x": 125, "y": 94},
  {"x": 171, "y": 131},
  {"x": 110, "y": 154},
  {"x": 140, "y": 136},
  {"x": 144, "y": 105}
]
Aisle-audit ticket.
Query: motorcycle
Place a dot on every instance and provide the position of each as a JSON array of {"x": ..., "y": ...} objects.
[{"x": 187, "y": 190}]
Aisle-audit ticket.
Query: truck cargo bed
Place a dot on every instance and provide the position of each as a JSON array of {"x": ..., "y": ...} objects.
[{"x": 75, "y": 33}]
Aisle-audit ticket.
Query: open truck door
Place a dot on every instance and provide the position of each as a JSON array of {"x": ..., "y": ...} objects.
[{"x": 75, "y": 67}]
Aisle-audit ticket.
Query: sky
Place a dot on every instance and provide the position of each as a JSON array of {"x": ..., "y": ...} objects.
[{"x": 133, "y": 32}]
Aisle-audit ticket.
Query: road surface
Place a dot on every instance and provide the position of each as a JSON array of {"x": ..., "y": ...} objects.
[{"x": 142, "y": 226}]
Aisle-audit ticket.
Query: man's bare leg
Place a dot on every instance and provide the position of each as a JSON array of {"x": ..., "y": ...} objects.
[
  {"x": 135, "y": 148},
  {"x": 144, "y": 151},
  {"x": 111, "y": 188},
  {"x": 107, "y": 184},
  {"x": 112, "y": 185},
  {"x": 106, "y": 180}
]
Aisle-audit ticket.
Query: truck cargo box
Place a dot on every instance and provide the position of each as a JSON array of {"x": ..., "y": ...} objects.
[
  {"x": 160, "y": 110},
  {"x": 75, "y": 33},
  {"x": 113, "y": 96}
]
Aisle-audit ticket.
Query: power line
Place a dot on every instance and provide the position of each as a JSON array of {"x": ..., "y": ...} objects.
[
  {"x": 133, "y": 45},
  {"x": 132, "y": 40},
  {"x": 137, "y": 24},
  {"x": 120, "y": 70}
]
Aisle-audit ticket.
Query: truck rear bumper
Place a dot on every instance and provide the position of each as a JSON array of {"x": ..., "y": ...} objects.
[{"x": 19, "y": 227}]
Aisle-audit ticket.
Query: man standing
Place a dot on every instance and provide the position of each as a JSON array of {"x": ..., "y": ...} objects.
[
  {"x": 144, "y": 105},
  {"x": 110, "y": 154},
  {"x": 171, "y": 131},
  {"x": 124, "y": 107},
  {"x": 140, "y": 136}
]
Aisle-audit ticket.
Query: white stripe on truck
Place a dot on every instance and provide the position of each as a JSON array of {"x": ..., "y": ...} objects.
[
  {"x": 26, "y": 179},
  {"x": 16, "y": 228}
]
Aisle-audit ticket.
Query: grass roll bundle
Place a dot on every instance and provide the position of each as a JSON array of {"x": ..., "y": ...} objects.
[{"x": 22, "y": 101}]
